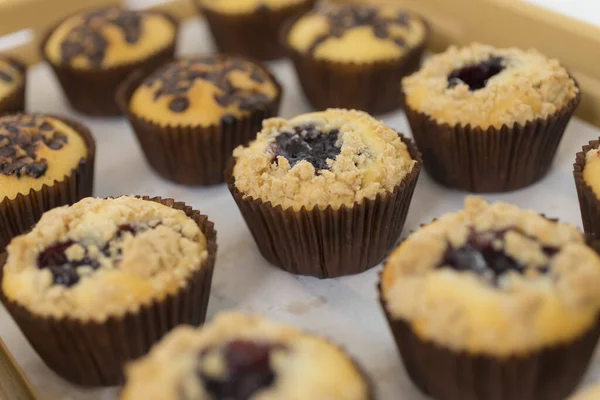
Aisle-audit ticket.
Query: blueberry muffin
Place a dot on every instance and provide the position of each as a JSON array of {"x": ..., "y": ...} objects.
[
  {"x": 308, "y": 188},
  {"x": 190, "y": 114},
  {"x": 494, "y": 302},
  {"x": 12, "y": 85},
  {"x": 114, "y": 275},
  {"x": 488, "y": 119},
  {"x": 45, "y": 162},
  {"x": 91, "y": 52},
  {"x": 587, "y": 181},
  {"x": 245, "y": 357},
  {"x": 349, "y": 56},
  {"x": 250, "y": 27}
]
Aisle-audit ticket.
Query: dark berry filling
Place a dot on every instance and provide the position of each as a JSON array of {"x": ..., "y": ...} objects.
[
  {"x": 476, "y": 76},
  {"x": 479, "y": 255},
  {"x": 307, "y": 143},
  {"x": 248, "y": 366},
  {"x": 64, "y": 271}
]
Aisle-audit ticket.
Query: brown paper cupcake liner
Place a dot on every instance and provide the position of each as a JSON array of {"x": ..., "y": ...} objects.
[
  {"x": 328, "y": 243},
  {"x": 192, "y": 155},
  {"x": 18, "y": 215},
  {"x": 372, "y": 87},
  {"x": 15, "y": 101},
  {"x": 589, "y": 203},
  {"x": 493, "y": 159},
  {"x": 254, "y": 34},
  {"x": 92, "y": 91},
  {"x": 91, "y": 353}
]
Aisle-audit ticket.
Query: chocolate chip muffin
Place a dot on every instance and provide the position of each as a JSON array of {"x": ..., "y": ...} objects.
[
  {"x": 349, "y": 56},
  {"x": 250, "y": 27},
  {"x": 91, "y": 52},
  {"x": 488, "y": 119},
  {"x": 45, "y": 162},
  {"x": 494, "y": 302},
  {"x": 190, "y": 114},
  {"x": 245, "y": 357},
  {"x": 114, "y": 276},
  {"x": 308, "y": 189},
  {"x": 13, "y": 77},
  {"x": 587, "y": 181}
]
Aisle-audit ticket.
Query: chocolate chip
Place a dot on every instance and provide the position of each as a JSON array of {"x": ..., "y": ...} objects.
[
  {"x": 179, "y": 104},
  {"x": 307, "y": 143},
  {"x": 257, "y": 75},
  {"x": 5, "y": 77},
  {"x": 228, "y": 119}
]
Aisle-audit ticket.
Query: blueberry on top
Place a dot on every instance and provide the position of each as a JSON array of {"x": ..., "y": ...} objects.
[{"x": 476, "y": 76}]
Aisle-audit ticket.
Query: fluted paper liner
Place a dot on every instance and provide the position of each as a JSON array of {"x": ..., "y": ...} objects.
[
  {"x": 253, "y": 34},
  {"x": 91, "y": 353},
  {"x": 328, "y": 243},
  {"x": 549, "y": 373},
  {"x": 589, "y": 203},
  {"x": 193, "y": 155},
  {"x": 92, "y": 91},
  {"x": 15, "y": 101},
  {"x": 21, "y": 213},
  {"x": 489, "y": 160},
  {"x": 373, "y": 87}
]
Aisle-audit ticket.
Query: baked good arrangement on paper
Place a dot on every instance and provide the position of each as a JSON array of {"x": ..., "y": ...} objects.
[{"x": 114, "y": 288}]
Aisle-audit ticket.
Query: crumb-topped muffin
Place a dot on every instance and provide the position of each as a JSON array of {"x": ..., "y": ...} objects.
[
  {"x": 45, "y": 161},
  {"x": 470, "y": 94},
  {"x": 326, "y": 165},
  {"x": 12, "y": 85},
  {"x": 250, "y": 27},
  {"x": 491, "y": 283},
  {"x": 347, "y": 55},
  {"x": 104, "y": 45},
  {"x": 111, "y": 266},
  {"x": 190, "y": 114},
  {"x": 245, "y": 357}
]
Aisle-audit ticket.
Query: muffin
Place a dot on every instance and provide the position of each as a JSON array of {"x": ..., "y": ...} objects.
[
  {"x": 45, "y": 162},
  {"x": 587, "y": 181},
  {"x": 12, "y": 85},
  {"x": 245, "y": 357},
  {"x": 250, "y": 27},
  {"x": 93, "y": 51},
  {"x": 349, "y": 56},
  {"x": 488, "y": 119},
  {"x": 325, "y": 194},
  {"x": 494, "y": 302},
  {"x": 589, "y": 394},
  {"x": 94, "y": 285},
  {"x": 190, "y": 114}
]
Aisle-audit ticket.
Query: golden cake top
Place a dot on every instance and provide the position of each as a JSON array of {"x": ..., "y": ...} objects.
[
  {"x": 484, "y": 87},
  {"x": 102, "y": 257},
  {"x": 36, "y": 150},
  {"x": 494, "y": 279},
  {"x": 591, "y": 171},
  {"x": 109, "y": 37},
  {"x": 244, "y": 357},
  {"x": 246, "y": 6},
  {"x": 330, "y": 158},
  {"x": 12, "y": 75},
  {"x": 357, "y": 33},
  {"x": 204, "y": 91}
]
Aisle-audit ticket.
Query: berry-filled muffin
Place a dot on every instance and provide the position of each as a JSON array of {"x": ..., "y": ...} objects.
[
  {"x": 353, "y": 56},
  {"x": 250, "y": 27},
  {"x": 494, "y": 302},
  {"x": 92, "y": 51},
  {"x": 587, "y": 181},
  {"x": 113, "y": 276},
  {"x": 190, "y": 114},
  {"x": 13, "y": 77},
  {"x": 240, "y": 356},
  {"x": 45, "y": 162},
  {"x": 325, "y": 194},
  {"x": 489, "y": 119}
]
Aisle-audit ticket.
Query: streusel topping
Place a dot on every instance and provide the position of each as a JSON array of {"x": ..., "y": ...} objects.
[
  {"x": 484, "y": 86},
  {"x": 591, "y": 171},
  {"x": 494, "y": 279},
  {"x": 246, "y": 6},
  {"x": 102, "y": 257},
  {"x": 357, "y": 33},
  {"x": 244, "y": 357},
  {"x": 322, "y": 159}
]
